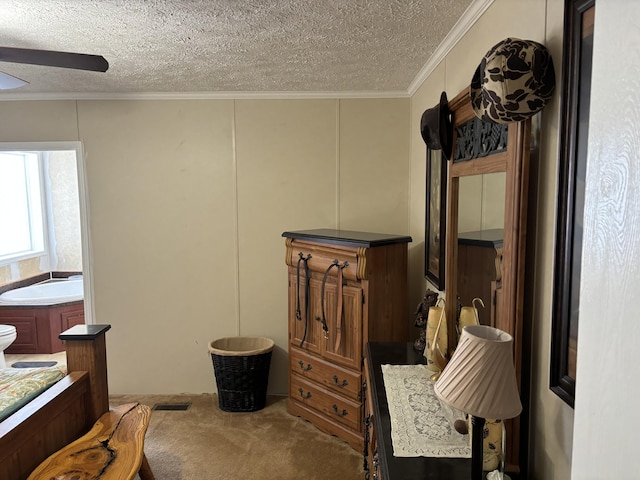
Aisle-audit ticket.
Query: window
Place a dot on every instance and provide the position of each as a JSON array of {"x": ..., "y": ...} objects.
[{"x": 21, "y": 207}]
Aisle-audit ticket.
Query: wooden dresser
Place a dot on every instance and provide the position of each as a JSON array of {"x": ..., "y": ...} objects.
[
  {"x": 480, "y": 271},
  {"x": 382, "y": 464},
  {"x": 345, "y": 289}
]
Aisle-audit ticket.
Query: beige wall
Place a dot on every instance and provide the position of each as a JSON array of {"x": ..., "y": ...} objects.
[
  {"x": 481, "y": 202},
  {"x": 541, "y": 20},
  {"x": 188, "y": 200},
  {"x": 552, "y": 419}
]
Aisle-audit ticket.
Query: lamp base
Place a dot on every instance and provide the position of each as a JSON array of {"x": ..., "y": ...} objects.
[
  {"x": 497, "y": 475},
  {"x": 477, "y": 427}
]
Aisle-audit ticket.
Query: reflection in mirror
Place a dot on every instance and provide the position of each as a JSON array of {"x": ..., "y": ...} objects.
[{"x": 480, "y": 238}]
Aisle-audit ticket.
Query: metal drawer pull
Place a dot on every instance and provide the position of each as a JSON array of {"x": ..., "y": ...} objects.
[
  {"x": 343, "y": 384},
  {"x": 304, "y": 369},
  {"x": 343, "y": 413},
  {"x": 301, "y": 392}
]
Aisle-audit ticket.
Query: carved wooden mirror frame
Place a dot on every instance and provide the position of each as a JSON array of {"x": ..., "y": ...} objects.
[{"x": 479, "y": 159}]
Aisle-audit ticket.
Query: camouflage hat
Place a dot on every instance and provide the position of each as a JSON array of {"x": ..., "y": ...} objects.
[{"x": 514, "y": 81}]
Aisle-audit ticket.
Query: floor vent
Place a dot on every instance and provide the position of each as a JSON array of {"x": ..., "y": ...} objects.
[{"x": 172, "y": 406}]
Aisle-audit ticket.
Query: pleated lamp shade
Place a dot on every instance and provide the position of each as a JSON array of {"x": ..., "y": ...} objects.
[{"x": 480, "y": 378}]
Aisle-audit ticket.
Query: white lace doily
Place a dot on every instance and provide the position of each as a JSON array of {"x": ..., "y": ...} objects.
[{"x": 421, "y": 425}]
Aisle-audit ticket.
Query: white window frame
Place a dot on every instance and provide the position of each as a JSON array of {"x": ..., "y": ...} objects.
[
  {"x": 36, "y": 206},
  {"x": 83, "y": 197}
]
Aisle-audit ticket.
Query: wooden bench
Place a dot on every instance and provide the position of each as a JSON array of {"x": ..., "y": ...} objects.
[{"x": 112, "y": 449}]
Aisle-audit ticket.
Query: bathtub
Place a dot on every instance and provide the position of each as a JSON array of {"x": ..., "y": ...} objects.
[
  {"x": 49, "y": 293},
  {"x": 40, "y": 312}
]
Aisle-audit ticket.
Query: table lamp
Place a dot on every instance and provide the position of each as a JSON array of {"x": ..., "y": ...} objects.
[{"x": 480, "y": 380}]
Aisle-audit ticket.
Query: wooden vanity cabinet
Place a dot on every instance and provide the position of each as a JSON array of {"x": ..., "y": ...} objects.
[
  {"x": 38, "y": 327},
  {"x": 345, "y": 289}
]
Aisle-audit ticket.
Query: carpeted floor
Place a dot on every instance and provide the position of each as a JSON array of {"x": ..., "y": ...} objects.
[{"x": 205, "y": 443}]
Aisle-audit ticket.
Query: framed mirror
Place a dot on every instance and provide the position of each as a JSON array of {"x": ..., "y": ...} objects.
[
  {"x": 488, "y": 176},
  {"x": 435, "y": 221},
  {"x": 578, "y": 50}
]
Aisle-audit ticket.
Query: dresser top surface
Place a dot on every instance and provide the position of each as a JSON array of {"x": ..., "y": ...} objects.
[
  {"x": 347, "y": 237},
  {"x": 483, "y": 238},
  {"x": 405, "y": 468}
]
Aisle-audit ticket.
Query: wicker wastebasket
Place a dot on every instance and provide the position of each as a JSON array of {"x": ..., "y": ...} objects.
[{"x": 241, "y": 367}]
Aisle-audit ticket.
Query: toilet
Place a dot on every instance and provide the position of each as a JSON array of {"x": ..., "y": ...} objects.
[{"x": 7, "y": 337}]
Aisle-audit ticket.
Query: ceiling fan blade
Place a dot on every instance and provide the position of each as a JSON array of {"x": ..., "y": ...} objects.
[
  {"x": 7, "y": 82},
  {"x": 77, "y": 61}
]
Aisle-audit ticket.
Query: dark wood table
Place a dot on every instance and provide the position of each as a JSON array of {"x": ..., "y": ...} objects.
[{"x": 403, "y": 468}]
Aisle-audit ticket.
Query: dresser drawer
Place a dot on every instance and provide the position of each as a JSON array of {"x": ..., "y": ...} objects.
[
  {"x": 320, "y": 257},
  {"x": 330, "y": 375},
  {"x": 334, "y": 407}
]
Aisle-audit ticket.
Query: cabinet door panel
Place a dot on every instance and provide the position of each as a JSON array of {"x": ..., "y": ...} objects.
[
  {"x": 71, "y": 319},
  {"x": 304, "y": 332},
  {"x": 343, "y": 343},
  {"x": 27, "y": 333}
]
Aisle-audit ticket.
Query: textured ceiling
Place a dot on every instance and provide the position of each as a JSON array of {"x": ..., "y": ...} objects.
[{"x": 229, "y": 45}]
